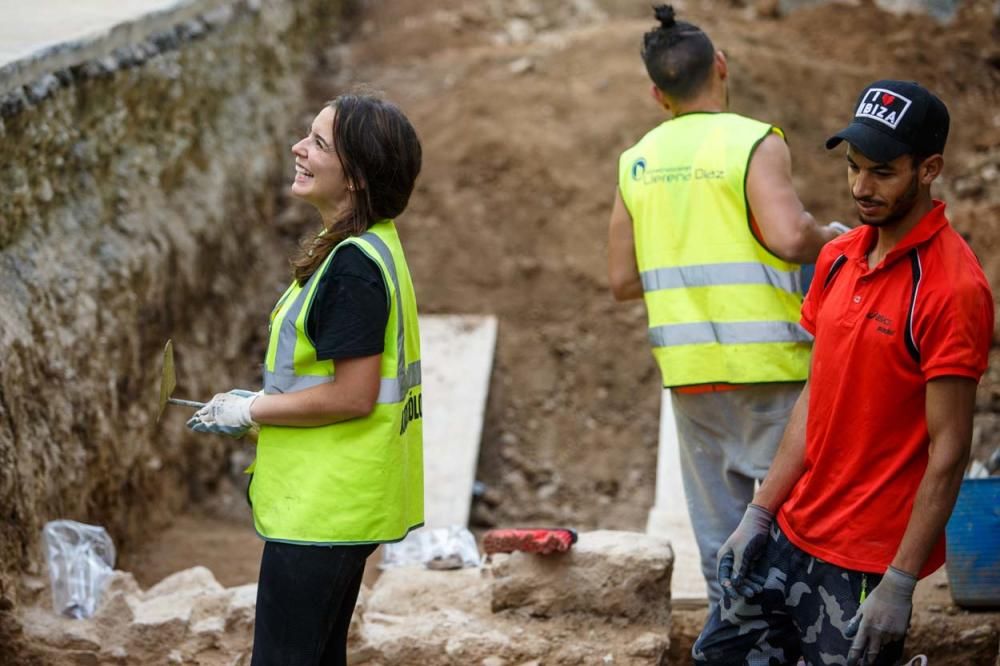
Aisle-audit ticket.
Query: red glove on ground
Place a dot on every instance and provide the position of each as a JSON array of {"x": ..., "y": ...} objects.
[{"x": 541, "y": 541}]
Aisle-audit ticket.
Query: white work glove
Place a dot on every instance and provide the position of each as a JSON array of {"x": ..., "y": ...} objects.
[
  {"x": 882, "y": 618},
  {"x": 225, "y": 414},
  {"x": 741, "y": 550},
  {"x": 839, "y": 227}
]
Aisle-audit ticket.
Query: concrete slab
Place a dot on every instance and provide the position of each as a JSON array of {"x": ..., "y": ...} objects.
[
  {"x": 456, "y": 360},
  {"x": 669, "y": 516}
]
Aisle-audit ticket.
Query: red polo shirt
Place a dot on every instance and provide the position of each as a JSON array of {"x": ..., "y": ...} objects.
[{"x": 925, "y": 311}]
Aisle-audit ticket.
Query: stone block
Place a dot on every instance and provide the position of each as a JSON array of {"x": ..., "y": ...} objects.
[
  {"x": 77, "y": 636},
  {"x": 242, "y": 607},
  {"x": 417, "y": 616},
  {"x": 193, "y": 581},
  {"x": 649, "y": 645},
  {"x": 411, "y": 590},
  {"x": 123, "y": 582},
  {"x": 211, "y": 605},
  {"x": 606, "y": 573},
  {"x": 117, "y": 607},
  {"x": 158, "y": 623}
]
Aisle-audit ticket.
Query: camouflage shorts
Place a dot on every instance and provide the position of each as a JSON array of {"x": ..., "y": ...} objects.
[{"x": 802, "y": 612}]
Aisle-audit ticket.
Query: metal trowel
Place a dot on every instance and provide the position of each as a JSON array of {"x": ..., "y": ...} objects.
[{"x": 168, "y": 382}]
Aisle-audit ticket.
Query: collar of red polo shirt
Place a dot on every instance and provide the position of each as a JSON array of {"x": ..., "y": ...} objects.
[{"x": 931, "y": 223}]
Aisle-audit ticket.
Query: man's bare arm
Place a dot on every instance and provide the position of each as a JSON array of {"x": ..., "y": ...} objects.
[
  {"x": 951, "y": 402},
  {"x": 789, "y": 230},
  {"x": 623, "y": 272}
]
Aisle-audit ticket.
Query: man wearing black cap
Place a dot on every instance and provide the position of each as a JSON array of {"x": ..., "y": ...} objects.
[{"x": 824, "y": 563}]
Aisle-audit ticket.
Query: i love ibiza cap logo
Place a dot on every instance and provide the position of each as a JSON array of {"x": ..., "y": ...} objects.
[
  {"x": 883, "y": 105},
  {"x": 895, "y": 117}
]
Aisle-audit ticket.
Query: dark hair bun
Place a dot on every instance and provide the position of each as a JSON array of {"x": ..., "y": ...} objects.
[{"x": 665, "y": 15}]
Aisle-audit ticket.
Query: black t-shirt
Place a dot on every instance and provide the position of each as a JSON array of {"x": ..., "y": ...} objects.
[{"x": 350, "y": 308}]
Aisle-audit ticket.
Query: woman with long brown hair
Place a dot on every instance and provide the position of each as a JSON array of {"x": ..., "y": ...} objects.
[{"x": 339, "y": 466}]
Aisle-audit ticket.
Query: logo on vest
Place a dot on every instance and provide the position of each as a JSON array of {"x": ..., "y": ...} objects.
[
  {"x": 884, "y": 106},
  {"x": 638, "y": 168},
  {"x": 673, "y": 175},
  {"x": 412, "y": 410}
]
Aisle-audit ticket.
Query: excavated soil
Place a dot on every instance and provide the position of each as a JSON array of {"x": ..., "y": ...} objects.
[{"x": 522, "y": 108}]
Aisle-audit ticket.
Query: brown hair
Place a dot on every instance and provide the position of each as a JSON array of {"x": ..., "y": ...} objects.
[{"x": 380, "y": 154}]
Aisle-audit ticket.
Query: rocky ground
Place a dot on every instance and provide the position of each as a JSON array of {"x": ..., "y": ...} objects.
[
  {"x": 606, "y": 601},
  {"x": 523, "y": 107}
]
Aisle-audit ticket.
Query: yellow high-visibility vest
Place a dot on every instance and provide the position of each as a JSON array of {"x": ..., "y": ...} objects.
[
  {"x": 722, "y": 308},
  {"x": 358, "y": 481}
]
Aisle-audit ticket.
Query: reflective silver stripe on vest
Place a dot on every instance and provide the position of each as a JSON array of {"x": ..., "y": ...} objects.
[
  {"x": 731, "y": 333},
  {"x": 395, "y": 389},
  {"x": 283, "y": 378},
  {"x": 383, "y": 251},
  {"x": 391, "y": 389},
  {"x": 711, "y": 275}
]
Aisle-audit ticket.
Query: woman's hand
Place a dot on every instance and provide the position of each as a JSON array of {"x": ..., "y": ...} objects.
[{"x": 225, "y": 414}]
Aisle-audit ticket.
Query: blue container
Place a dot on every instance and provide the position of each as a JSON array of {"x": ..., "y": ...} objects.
[{"x": 973, "y": 534}]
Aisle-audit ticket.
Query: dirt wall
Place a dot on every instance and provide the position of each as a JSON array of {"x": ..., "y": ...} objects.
[
  {"x": 137, "y": 196},
  {"x": 524, "y": 107}
]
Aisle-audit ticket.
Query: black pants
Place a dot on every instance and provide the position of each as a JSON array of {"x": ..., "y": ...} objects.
[{"x": 305, "y": 599}]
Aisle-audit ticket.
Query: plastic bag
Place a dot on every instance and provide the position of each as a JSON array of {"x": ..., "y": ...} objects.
[
  {"x": 80, "y": 559},
  {"x": 451, "y": 547}
]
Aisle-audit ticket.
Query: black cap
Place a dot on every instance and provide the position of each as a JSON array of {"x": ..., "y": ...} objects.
[{"x": 894, "y": 118}]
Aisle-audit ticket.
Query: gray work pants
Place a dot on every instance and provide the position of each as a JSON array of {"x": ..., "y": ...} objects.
[{"x": 727, "y": 440}]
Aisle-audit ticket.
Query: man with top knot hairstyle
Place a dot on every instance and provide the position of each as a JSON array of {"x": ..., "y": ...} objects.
[
  {"x": 708, "y": 229},
  {"x": 853, "y": 510}
]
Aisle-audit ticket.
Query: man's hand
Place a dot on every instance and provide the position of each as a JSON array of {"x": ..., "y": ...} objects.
[
  {"x": 740, "y": 551},
  {"x": 882, "y": 618},
  {"x": 225, "y": 414}
]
